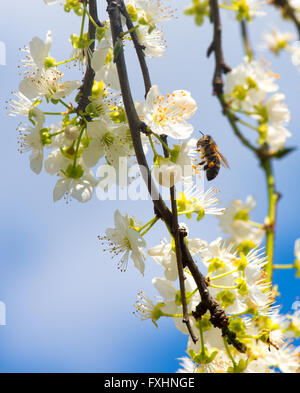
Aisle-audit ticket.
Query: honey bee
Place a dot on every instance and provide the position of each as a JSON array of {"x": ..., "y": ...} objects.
[{"x": 211, "y": 157}]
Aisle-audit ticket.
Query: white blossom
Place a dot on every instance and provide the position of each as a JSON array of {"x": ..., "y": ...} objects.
[
  {"x": 30, "y": 139},
  {"x": 167, "y": 115},
  {"x": 124, "y": 239},
  {"x": 47, "y": 84},
  {"x": 153, "y": 42}
]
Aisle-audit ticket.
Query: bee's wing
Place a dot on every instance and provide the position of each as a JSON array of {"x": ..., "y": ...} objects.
[{"x": 223, "y": 160}]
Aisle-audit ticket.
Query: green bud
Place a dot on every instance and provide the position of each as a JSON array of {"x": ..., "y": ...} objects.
[{"x": 132, "y": 12}]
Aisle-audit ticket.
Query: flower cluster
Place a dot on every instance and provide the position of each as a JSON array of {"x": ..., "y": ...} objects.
[
  {"x": 238, "y": 282},
  {"x": 73, "y": 146},
  {"x": 248, "y": 89},
  {"x": 236, "y": 223},
  {"x": 93, "y": 131}
]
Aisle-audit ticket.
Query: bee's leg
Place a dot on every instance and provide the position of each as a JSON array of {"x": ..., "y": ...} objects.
[
  {"x": 205, "y": 167},
  {"x": 202, "y": 162}
]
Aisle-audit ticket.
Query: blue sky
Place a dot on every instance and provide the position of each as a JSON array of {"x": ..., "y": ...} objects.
[{"x": 68, "y": 307}]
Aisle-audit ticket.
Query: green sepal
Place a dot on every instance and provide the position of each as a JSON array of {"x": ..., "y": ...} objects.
[
  {"x": 238, "y": 368},
  {"x": 284, "y": 152},
  {"x": 174, "y": 153},
  {"x": 204, "y": 357},
  {"x": 74, "y": 172},
  {"x": 226, "y": 298},
  {"x": 157, "y": 313},
  {"x": 100, "y": 33},
  {"x": 49, "y": 62}
]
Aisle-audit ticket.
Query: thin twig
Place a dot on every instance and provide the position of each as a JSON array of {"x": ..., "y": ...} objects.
[
  {"x": 216, "y": 47},
  {"x": 288, "y": 12},
  {"x": 246, "y": 41},
  {"x": 139, "y": 49},
  {"x": 85, "y": 89},
  {"x": 177, "y": 236},
  {"x": 218, "y": 316}
]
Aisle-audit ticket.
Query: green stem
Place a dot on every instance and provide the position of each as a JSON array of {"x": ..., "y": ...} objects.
[
  {"x": 256, "y": 224},
  {"x": 247, "y": 124},
  {"x": 244, "y": 29},
  {"x": 290, "y": 266},
  {"x": 90, "y": 17},
  {"x": 128, "y": 31},
  {"x": 82, "y": 23},
  {"x": 223, "y": 287},
  {"x": 65, "y": 104},
  {"x": 77, "y": 146},
  {"x": 227, "y": 7},
  {"x": 54, "y": 113},
  {"x": 272, "y": 204},
  {"x": 222, "y": 275},
  {"x": 162, "y": 142},
  {"x": 229, "y": 352},
  {"x": 152, "y": 147},
  {"x": 66, "y": 61},
  {"x": 232, "y": 120},
  {"x": 174, "y": 315},
  {"x": 201, "y": 337},
  {"x": 56, "y": 133},
  {"x": 151, "y": 224}
]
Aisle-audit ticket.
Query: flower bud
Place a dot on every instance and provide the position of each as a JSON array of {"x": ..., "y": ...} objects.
[{"x": 71, "y": 132}]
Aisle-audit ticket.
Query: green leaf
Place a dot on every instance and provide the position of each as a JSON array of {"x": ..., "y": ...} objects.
[
  {"x": 284, "y": 152},
  {"x": 117, "y": 47}
]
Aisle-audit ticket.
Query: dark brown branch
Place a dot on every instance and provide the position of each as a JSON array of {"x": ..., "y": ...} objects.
[
  {"x": 85, "y": 89},
  {"x": 218, "y": 316},
  {"x": 216, "y": 46},
  {"x": 178, "y": 235},
  {"x": 135, "y": 124}
]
